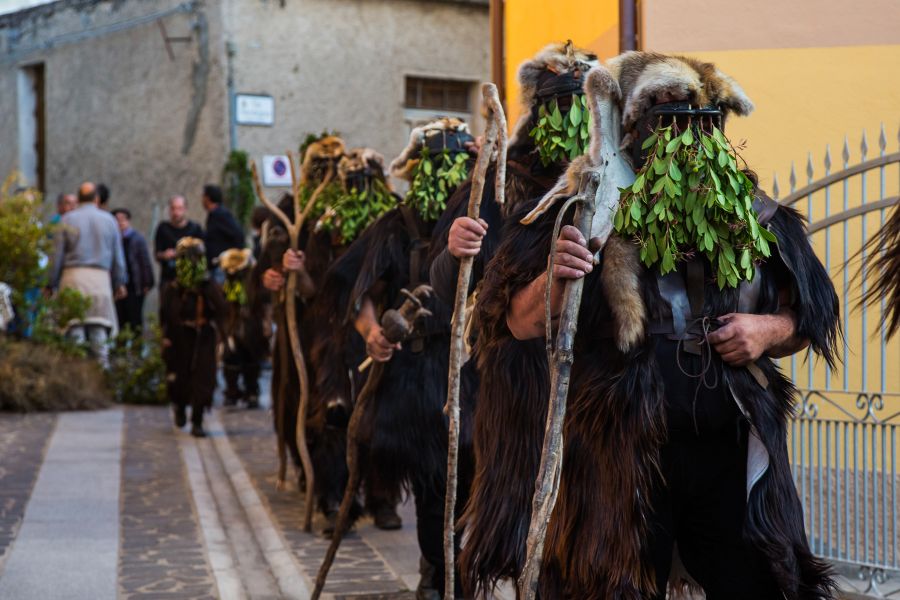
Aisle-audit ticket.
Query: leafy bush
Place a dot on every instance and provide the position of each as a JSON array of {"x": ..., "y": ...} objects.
[
  {"x": 137, "y": 373},
  {"x": 25, "y": 246},
  {"x": 38, "y": 377},
  {"x": 238, "y": 184}
]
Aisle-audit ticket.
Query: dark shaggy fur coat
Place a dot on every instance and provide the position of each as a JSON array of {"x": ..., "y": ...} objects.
[
  {"x": 615, "y": 427},
  {"x": 511, "y": 410}
]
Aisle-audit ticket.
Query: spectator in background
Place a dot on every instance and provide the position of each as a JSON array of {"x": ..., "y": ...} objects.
[
  {"x": 167, "y": 235},
  {"x": 130, "y": 309},
  {"x": 223, "y": 232},
  {"x": 64, "y": 203},
  {"x": 103, "y": 196},
  {"x": 87, "y": 255}
]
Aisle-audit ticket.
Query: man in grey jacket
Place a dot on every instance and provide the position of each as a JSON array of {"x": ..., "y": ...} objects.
[{"x": 88, "y": 258}]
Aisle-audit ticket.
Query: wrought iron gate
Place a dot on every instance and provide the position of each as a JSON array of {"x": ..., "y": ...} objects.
[{"x": 843, "y": 438}]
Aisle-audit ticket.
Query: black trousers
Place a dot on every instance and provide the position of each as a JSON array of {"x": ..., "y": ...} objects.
[
  {"x": 701, "y": 505},
  {"x": 240, "y": 363},
  {"x": 430, "y": 529},
  {"x": 130, "y": 311}
]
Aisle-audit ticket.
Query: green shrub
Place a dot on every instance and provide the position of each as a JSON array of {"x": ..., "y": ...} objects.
[{"x": 137, "y": 373}]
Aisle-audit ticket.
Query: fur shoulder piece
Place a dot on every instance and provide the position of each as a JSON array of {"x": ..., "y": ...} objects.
[
  {"x": 404, "y": 165},
  {"x": 319, "y": 156},
  {"x": 649, "y": 78}
]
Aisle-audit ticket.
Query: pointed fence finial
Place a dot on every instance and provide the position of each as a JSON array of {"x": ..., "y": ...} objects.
[
  {"x": 864, "y": 145},
  {"x": 882, "y": 140},
  {"x": 845, "y": 153},
  {"x": 775, "y": 193},
  {"x": 809, "y": 166},
  {"x": 793, "y": 178},
  {"x": 827, "y": 158}
]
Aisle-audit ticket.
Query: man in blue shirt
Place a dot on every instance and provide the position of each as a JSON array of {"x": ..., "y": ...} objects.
[{"x": 88, "y": 255}]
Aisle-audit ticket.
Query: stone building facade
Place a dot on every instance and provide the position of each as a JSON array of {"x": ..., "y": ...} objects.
[{"x": 139, "y": 94}]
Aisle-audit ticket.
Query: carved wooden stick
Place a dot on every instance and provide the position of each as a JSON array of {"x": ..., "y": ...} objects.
[
  {"x": 547, "y": 485},
  {"x": 494, "y": 140},
  {"x": 294, "y": 228},
  {"x": 397, "y": 325}
]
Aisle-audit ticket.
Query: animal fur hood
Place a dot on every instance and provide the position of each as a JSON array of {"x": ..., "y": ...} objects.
[
  {"x": 554, "y": 59},
  {"x": 445, "y": 132},
  {"x": 319, "y": 157},
  {"x": 360, "y": 162},
  {"x": 649, "y": 78}
]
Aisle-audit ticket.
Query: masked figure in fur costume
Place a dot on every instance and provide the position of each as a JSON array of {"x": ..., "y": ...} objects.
[
  {"x": 553, "y": 78},
  {"x": 245, "y": 343},
  {"x": 192, "y": 311},
  {"x": 335, "y": 350},
  {"x": 675, "y": 435},
  {"x": 320, "y": 158},
  {"x": 404, "y": 436}
]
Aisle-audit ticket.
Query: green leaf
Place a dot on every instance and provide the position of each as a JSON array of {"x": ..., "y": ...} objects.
[
  {"x": 635, "y": 210},
  {"x": 658, "y": 185},
  {"x": 687, "y": 138},
  {"x": 673, "y": 145},
  {"x": 638, "y": 184},
  {"x": 650, "y": 141},
  {"x": 745, "y": 258},
  {"x": 668, "y": 261},
  {"x": 674, "y": 171},
  {"x": 556, "y": 118},
  {"x": 575, "y": 113}
]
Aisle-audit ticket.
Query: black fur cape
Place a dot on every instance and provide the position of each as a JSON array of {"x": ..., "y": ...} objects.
[
  {"x": 405, "y": 434},
  {"x": 615, "y": 427}
]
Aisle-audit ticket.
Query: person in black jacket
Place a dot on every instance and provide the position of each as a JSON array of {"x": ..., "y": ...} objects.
[
  {"x": 223, "y": 232},
  {"x": 167, "y": 235},
  {"x": 130, "y": 309}
]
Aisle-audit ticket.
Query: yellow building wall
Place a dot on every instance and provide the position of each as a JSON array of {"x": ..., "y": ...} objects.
[{"x": 529, "y": 25}]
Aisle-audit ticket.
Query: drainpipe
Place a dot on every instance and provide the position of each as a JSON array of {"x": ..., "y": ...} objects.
[
  {"x": 627, "y": 25},
  {"x": 230, "y": 51}
]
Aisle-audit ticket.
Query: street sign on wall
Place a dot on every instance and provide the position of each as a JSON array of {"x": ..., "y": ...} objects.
[
  {"x": 254, "y": 109},
  {"x": 276, "y": 170}
]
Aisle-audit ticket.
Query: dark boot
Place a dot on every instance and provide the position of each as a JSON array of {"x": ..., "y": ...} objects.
[
  {"x": 197, "y": 431},
  {"x": 386, "y": 517},
  {"x": 233, "y": 391},
  {"x": 426, "y": 589},
  {"x": 180, "y": 415}
]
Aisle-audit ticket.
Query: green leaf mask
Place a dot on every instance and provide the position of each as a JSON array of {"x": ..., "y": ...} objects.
[
  {"x": 357, "y": 209},
  {"x": 435, "y": 178},
  {"x": 190, "y": 273},
  {"x": 690, "y": 197},
  {"x": 562, "y": 136}
]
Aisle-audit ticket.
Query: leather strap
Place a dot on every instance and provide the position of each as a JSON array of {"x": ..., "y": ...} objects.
[{"x": 418, "y": 248}]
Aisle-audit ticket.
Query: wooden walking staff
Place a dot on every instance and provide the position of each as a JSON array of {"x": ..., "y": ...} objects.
[
  {"x": 294, "y": 230},
  {"x": 600, "y": 176},
  {"x": 495, "y": 140},
  {"x": 397, "y": 325}
]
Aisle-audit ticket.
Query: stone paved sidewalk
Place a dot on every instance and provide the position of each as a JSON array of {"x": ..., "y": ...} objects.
[{"x": 171, "y": 487}]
